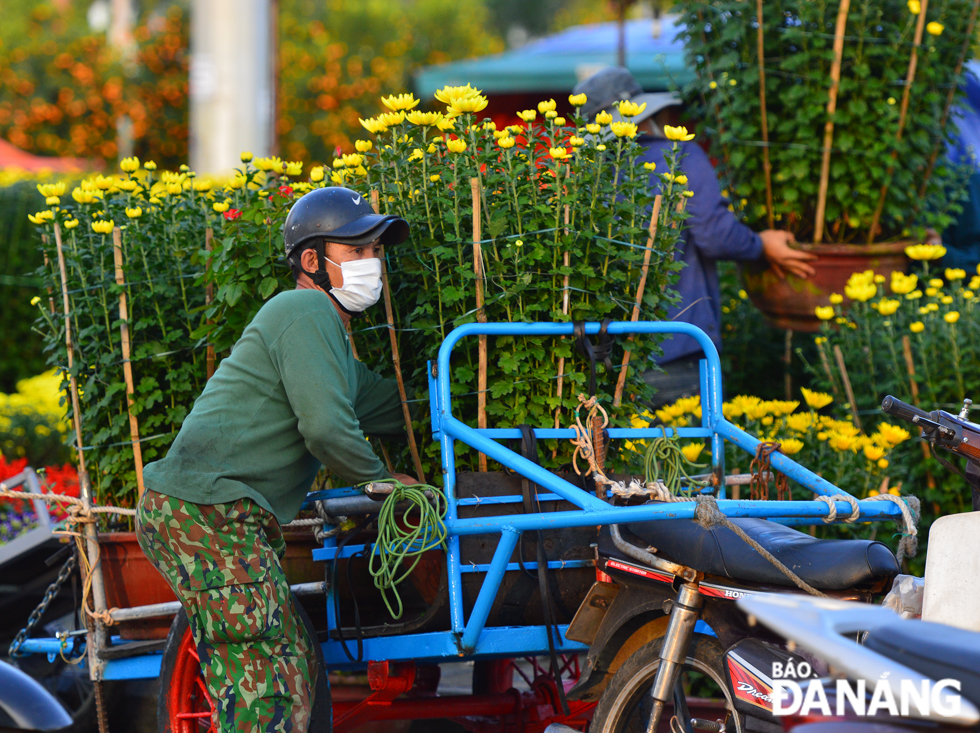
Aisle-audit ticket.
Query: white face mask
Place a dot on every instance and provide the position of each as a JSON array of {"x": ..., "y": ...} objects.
[{"x": 362, "y": 284}]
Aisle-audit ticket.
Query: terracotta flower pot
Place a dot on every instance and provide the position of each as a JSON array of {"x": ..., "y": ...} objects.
[
  {"x": 790, "y": 303},
  {"x": 131, "y": 580}
]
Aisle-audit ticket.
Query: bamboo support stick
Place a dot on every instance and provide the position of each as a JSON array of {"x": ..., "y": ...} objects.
[
  {"x": 910, "y": 367},
  {"x": 839, "y": 357},
  {"x": 90, "y": 529},
  {"x": 766, "y": 166},
  {"x": 47, "y": 266},
  {"x": 396, "y": 360},
  {"x": 828, "y": 130},
  {"x": 829, "y": 372},
  {"x": 350, "y": 340},
  {"x": 209, "y": 296},
  {"x": 950, "y": 97},
  {"x": 481, "y": 317},
  {"x": 565, "y": 302},
  {"x": 134, "y": 431},
  {"x": 902, "y": 117},
  {"x": 711, "y": 78},
  {"x": 788, "y": 362},
  {"x": 652, "y": 229}
]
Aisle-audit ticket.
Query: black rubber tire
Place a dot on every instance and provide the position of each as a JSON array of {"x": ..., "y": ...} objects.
[
  {"x": 635, "y": 677},
  {"x": 321, "y": 719}
]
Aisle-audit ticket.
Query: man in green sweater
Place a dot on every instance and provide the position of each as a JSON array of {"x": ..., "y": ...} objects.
[{"x": 290, "y": 398}]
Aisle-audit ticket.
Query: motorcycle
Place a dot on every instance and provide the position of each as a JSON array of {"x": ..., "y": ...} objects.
[
  {"x": 664, "y": 618},
  {"x": 905, "y": 675}
]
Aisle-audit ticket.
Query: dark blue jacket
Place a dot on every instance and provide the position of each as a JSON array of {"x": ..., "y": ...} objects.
[{"x": 713, "y": 233}]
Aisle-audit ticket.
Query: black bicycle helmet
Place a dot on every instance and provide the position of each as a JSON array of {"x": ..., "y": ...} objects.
[{"x": 340, "y": 215}]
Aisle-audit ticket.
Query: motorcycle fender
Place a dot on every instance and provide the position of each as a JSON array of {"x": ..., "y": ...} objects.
[
  {"x": 588, "y": 618},
  {"x": 634, "y": 618},
  {"x": 750, "y": 667}
]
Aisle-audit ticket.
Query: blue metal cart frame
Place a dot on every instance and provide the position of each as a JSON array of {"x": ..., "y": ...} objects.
[{"x": 470, "y": 638}]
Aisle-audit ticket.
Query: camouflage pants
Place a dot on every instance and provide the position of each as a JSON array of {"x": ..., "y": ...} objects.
[{"x": 222, "y": 562}]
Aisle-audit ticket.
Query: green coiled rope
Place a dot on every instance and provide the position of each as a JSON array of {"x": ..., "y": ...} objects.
[
  {"x": 664, "y": 461},
  {"x": 403, "y": 537}
]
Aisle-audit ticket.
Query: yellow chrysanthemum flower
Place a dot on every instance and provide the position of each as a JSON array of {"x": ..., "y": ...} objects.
[
  {"x": 954, "y": 273},
  {"x": 468, "y": 105},
  {"x": 134, "y": 213},
  {"x": 549, "y": 106},
  {"x": 577, "y": 100},
  {"x": 447, "y": 95},
  {"x": 400, "y": 102},
  {"x": 41, "y": 217},
  {"x": 887, "y": 307},
  {"x": 952, "y": 317},
  {"x": 631, "y": 109},
  {"x": 691, "y": 451},
  {"x": 603, "y": 118},
  {"x": 316, "y": 173},
  {"x": 130, "y": 165},
  {"x": 103, "y": 227},
  {"x": 903, "y": 284},
  {"x": 678, "y": 134},
  {"x": 506, "y": 142},
  {"x": 220, "y": 206},
  {"x": 593, "y": 128},
  {"x": 824, "y": 312},
  {"x": 558, "y": 153},
  {"x": 873, "y": 452},
  {"x": 456, "y": 146},
  {"x": 373, "y": 125},
  {"x": 363, "y": 146},
  {"x": 528, "y": 115},
  {"x": 71, "y": 223},
  {"x": 935, "y": 29},
  {"x": 624, "y": 129},
  {"x": 925, "y": 252},
  {"x": 790, "y": 446},
  {"x": 294, "y": 168},
  {"x": 915, "y": 7},
  {"x": 816, "y": 400}
]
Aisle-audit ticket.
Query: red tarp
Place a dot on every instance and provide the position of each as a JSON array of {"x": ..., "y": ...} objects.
[{"x": 13, "y": 157}]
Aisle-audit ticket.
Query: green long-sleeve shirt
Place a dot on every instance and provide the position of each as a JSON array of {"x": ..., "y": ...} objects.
[{"x": 290, "y": 397}]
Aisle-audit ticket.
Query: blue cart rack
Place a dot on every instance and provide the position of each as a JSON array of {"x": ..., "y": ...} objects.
[{"x": 471, "y": 638}]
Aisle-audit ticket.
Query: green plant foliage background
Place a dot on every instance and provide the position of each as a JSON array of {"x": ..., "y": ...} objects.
[{"x": 721, "y": 43}]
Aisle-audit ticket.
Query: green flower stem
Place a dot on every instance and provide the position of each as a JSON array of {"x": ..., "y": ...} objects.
[{"x": 956, "y": 359}]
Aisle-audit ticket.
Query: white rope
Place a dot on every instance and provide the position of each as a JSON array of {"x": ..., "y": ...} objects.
[
  {"x": 656, "y": 490},
  {"x": 65, "y": 499},
  {"x": 832, "y": 507},
  {"x": 908, "y": 546}
]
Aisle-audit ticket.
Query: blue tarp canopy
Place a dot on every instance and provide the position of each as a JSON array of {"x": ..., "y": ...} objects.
[{"x": 558, "y": 62}]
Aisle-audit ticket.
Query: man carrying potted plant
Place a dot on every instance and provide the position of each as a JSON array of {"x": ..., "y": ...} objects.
[
  {"x": 289, "y": 398},
  {"x": 712, "y": 232}
]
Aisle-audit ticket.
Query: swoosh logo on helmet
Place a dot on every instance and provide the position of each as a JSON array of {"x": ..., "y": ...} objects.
[{"x": 357, "y": 200}]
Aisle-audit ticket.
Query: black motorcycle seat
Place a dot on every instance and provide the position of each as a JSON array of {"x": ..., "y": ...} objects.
[
  {"x": 824, "y": 564},
  {"x": 935, "y": 650}
]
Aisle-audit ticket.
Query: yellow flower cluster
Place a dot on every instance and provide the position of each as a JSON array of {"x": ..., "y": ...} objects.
[
  {"x": 39, "y": 395},
  {"x": 861, "y": 286},
  {"x": 778, "y": 420}
]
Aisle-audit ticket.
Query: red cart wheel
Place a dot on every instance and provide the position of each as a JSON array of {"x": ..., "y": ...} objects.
[{"x": 185, "y": 705}]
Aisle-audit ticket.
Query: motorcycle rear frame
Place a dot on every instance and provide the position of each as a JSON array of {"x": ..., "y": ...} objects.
[{"x": 470, "y": 638}]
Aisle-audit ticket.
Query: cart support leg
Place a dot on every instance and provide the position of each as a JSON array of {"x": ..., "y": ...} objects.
[
  {"x": 488, "y": 591},
  {"x": 683, "y": 615}
]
